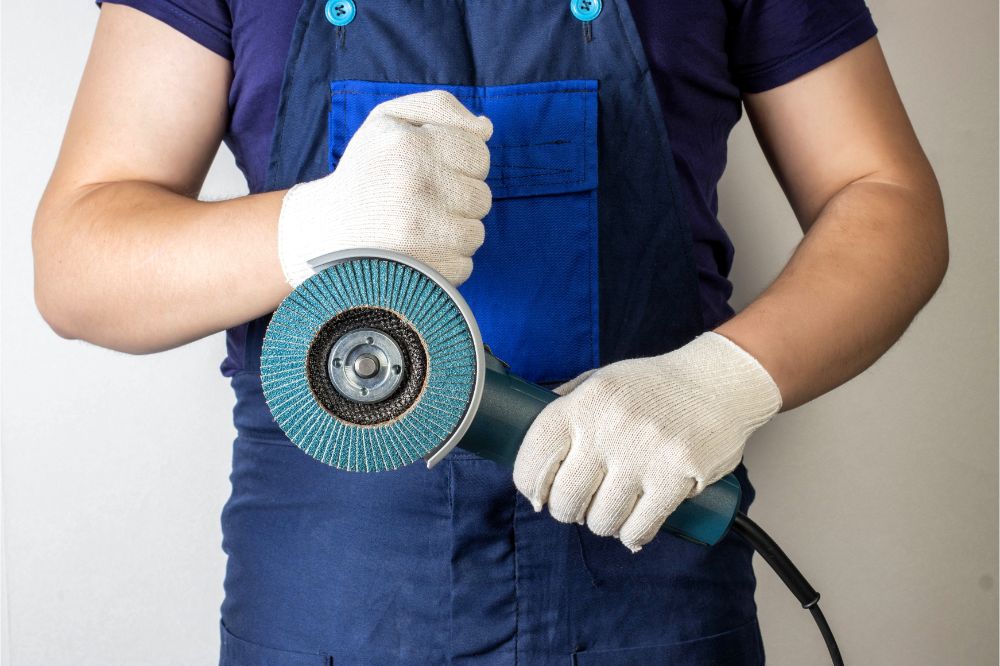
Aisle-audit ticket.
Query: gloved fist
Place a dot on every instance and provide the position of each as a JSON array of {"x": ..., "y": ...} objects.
[
  {"x": 625, "y": 446},
  {"x": 410, "y": 180}
]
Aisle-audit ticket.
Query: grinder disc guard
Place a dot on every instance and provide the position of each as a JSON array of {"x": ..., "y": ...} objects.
[{"x": 372, "y": 363}]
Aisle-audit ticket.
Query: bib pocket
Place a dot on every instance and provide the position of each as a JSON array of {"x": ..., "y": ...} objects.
[{"x": 533, "y": 288}]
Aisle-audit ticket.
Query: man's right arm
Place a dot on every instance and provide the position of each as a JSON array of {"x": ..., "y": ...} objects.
[{"x": 125, "y": 256}]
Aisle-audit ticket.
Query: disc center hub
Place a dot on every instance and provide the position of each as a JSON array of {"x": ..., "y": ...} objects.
[{"x": 365, "y": 365}]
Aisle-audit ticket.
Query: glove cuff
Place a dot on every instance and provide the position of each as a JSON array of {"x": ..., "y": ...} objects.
[
  {"x": 751, "y": 383},
  {"x": 305, "y": 228},
  {"x": 734, "y": 394}
]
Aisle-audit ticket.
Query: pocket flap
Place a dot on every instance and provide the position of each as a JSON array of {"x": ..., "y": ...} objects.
[{"x": 544, "y": 134}]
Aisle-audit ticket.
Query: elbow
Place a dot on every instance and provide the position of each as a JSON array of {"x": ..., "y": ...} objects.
[
  {"x": 61, "y": 306},
  {"x": 940, "y": 263},
  {"x": 71, "y": 288},
  {"x": 72, "y": 316},
  {"x": 57, "y": 317},
  {"x": 73, "y": 320},
  {"x": 69, "y": 317},
  {"x": 938, "y": 251},
  {"x": 51, "y": 294},
  {"x": 72, "y": 301},
  {"x": 62, "y": 296},
  {"x": 923, "y": 232}
]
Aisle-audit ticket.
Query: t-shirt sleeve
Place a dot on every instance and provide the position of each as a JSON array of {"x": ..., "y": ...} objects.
[
  {"x": 775, "y": 41},
  {"x": 207, "y": 22}
]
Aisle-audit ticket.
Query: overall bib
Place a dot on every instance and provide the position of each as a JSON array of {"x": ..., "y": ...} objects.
[{"x": 587, "y": 260}]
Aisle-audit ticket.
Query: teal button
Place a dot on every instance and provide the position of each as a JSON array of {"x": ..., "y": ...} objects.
[
  {"x": 340, "y": 12},
  {"x": 585, "y": 10}
]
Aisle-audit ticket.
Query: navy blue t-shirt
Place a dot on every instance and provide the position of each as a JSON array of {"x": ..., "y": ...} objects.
[{"x": 703, "y": 55}]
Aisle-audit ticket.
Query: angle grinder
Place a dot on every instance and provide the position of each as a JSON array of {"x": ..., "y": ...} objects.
[{"x": 376, "y": 361}]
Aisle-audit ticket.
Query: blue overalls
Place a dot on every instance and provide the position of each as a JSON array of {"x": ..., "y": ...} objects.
[{"x": 587, "y": 260}]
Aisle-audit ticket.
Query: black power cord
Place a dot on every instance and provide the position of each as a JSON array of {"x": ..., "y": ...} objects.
[{"x": 790, "y": 575}]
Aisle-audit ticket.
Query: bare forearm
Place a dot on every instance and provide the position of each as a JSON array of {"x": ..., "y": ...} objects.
[
  {"x": 137, "y": 267},
  {"x": 873, "y": 258}
]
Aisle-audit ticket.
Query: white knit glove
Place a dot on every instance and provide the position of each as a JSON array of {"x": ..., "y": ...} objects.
[
  {"x": 410, "y": 180},
  {"x": 626, "y": 445}
]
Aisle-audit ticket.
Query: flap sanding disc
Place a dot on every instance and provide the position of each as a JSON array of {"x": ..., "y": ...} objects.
[{"x": 369, "y": 365}]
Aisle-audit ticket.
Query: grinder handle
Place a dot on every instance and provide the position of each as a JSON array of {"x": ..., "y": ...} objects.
[{"x": 510, "y": 404}]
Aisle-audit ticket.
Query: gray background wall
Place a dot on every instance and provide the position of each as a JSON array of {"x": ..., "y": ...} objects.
[{"x": 885, "y": 491}]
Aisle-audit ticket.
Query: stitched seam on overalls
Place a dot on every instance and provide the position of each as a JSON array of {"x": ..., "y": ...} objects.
[
  {"x": 279, "y": 141},
  {"x": 583, "y": 557},
  {"x": 540, "y": 173},
  {"x": 592, "y": 214},
  {"x": 506, "y": 179},
  {"x": 330, "y": 129},
  {"x": 554, "y": 142},
  {"x": 344, "y": 117},
  {"x": 536, "y": 169},
  {"x": 537, "y": 179},
  {"x": 470, "y": 52}
]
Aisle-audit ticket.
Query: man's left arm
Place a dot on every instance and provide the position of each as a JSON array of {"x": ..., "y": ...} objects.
[
  {"x": 875, "y": 247},
  {"x": 627, "y": 443}
]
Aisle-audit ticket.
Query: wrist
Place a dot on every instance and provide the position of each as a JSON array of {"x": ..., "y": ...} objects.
[
  {"x": 769, "y": 349},
  {"x": 726, "y": 390},
  {"x": 741, "y": 370},
  {"x": 305, "y": 227}
]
